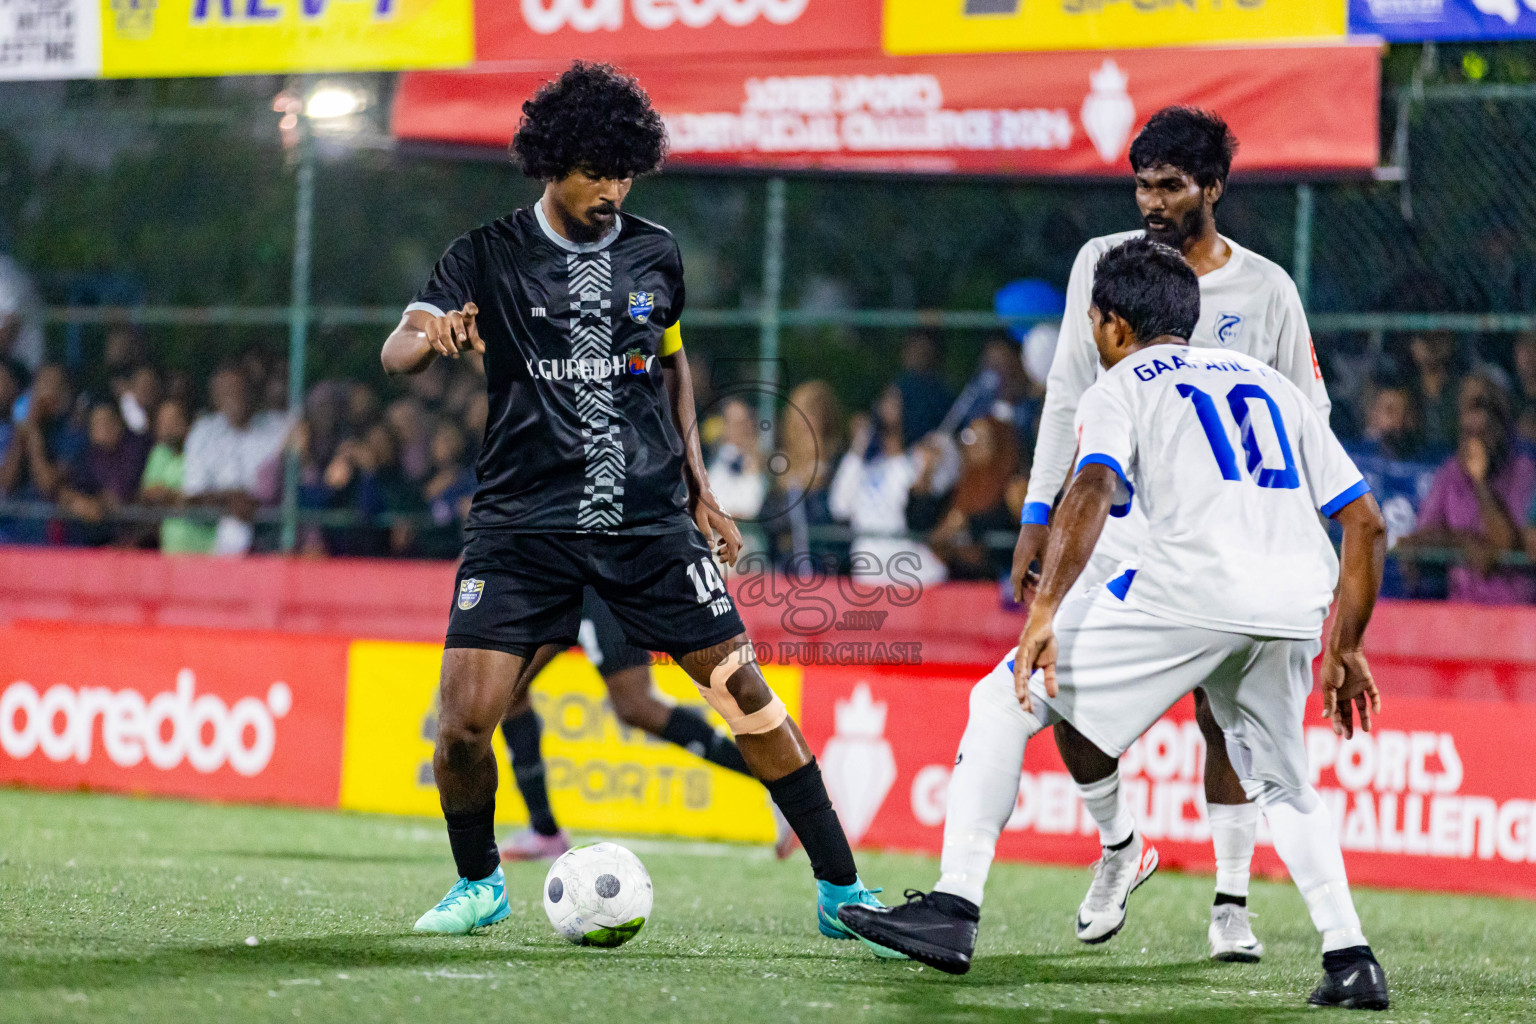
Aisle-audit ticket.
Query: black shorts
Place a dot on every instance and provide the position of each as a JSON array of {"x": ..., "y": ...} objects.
[
  {"x": 603, "y": 639},
  {"x": 518, "y": 591}
]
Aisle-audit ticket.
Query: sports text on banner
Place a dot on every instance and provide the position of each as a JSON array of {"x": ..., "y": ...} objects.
[
  {"x": 601, "y": 774},
  {"x": 991, "y": 26}
]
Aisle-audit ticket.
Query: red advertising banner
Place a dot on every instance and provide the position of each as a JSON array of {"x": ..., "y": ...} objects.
[
  {"x": 1440, "y": 796},
  {"x": 624, "y": 30},
  {"x": 1070, "y": 113},
  {"x": 175, "y": 712}
]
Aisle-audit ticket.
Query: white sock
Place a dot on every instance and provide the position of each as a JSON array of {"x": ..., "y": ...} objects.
[
  {"x": 1232, "y": 831},
  {"x": 984, "y": 786},
  {"x": 1308, "y": 844},
  {"x": 1102, "y": 798}
]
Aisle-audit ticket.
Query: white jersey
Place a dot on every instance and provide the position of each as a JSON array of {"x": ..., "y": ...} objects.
[
  {"x": 1230, "y": 463},
  {"x": 1250, "y": 305}
]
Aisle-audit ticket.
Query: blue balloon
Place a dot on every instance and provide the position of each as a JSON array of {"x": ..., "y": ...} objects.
[{"x": 1028, "y": 296}]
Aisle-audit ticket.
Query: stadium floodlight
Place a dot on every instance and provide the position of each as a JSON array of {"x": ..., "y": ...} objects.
[{"x": 332, "y": 101}]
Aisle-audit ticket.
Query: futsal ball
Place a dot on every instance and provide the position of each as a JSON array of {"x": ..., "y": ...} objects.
[{"x": 598, "y": 895}]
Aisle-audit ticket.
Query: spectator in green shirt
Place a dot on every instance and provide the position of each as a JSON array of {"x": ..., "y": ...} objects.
[{"x": 161, "y": 484}]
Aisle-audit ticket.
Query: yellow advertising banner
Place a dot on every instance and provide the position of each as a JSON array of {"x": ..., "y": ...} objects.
[
  {"x": 993, "y": 26},
  {"x": 164, "y": 38},
  {"x": 602, "y": 775}
]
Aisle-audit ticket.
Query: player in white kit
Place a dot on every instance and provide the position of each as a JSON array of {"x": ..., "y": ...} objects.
[
  {"x": 1247, "y": 304},
  {"x": 1227, "y": 590}
]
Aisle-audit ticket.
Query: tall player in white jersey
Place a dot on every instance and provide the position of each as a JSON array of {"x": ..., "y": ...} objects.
[
  {"x": 1227, "y": 590},
  {"x": 1247, "y": 304}
]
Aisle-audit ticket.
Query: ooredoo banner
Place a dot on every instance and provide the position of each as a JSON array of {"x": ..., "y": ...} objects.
[
  {"x": 178, "y": 712},
  {"x": 624, "y": 30},
  {"x": 1438, "y": 797},
  {"x": 601, "y": 774},
  {"x": 1042, "y": 114}
]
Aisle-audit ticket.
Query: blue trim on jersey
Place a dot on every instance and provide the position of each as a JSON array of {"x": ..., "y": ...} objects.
[
  {"x": 1097, "y": 459},
  {"x": 1036, "y": 513},
  {"x": 1121, "y": 585},
  {"x": 1360, "y": 487},
  {"x": 1010, "y": 663}
]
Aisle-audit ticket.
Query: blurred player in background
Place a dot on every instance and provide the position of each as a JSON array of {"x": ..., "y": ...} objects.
[
  {"x": 626, "y": 672},
  {"x": 1247, "y": 304},
  {"x": 1227, "y": 590},
  {"x": 590, "y": 475}
]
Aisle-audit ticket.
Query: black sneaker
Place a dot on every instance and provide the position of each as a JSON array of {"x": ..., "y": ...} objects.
[
  {"x": 934, "y": 928},
  {"x": 1352, "y": 979}
]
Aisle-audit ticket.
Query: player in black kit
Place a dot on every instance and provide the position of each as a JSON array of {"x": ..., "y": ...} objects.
[{"x": 590, "y": 474}]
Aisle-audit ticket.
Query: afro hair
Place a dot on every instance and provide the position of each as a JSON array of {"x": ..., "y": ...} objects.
[{"x": 593, "y": 118}]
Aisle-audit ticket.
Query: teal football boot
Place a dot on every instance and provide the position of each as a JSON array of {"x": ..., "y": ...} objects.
[
  {"x": 468, "y": 905},
  {"x": 829, "y": 898}
]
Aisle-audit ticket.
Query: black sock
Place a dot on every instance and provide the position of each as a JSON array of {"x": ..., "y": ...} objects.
[
  {"x": 522, "y": 736},
  {"x": 472, "y": 834},
  {"x": 1338, "y": 959},
  {"x": 688, "y": 729},
  {"x": 1226, "y": 897},
  {"x": 802, "y": 797},
  {"x": 1122, "y": 844}
]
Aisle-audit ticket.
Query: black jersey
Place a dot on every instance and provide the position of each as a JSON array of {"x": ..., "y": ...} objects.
[{"x": 580, "y": 435}]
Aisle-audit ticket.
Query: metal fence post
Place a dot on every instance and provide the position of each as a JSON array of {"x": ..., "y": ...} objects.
[
  {"x": 768, "y": 324},
  {"x": 1303, "y": 262},
  {"x": 298, "y": 324}
]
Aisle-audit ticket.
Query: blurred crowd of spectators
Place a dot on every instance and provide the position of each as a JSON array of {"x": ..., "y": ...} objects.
[
  {"x": 1449, "y": 447},
  {"x": 925, "y": 484},
  {"x": 135, "y": 456}
]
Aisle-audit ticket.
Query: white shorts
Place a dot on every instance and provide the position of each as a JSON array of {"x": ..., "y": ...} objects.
[
  {"x": 1119, "y": 669},
  {"x": 1102, "y": 567}
]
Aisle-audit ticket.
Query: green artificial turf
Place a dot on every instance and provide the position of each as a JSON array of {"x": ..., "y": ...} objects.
[{"x": 118, "y": 909}]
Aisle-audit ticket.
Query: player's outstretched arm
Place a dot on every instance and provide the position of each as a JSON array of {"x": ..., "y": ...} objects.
[
  {"x": 1079, "y": 521},
  {"x": 421, "y": 337},
  {"x": 1346, "y": 678}
]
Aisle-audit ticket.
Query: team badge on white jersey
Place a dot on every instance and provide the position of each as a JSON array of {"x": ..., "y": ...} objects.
[
  {"x": 469, "y": 593},
  {"x": 1229, "y": 329}
]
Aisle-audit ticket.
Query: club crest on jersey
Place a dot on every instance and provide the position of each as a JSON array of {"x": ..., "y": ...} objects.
[
  {"x": 640, "y": 306},
  {"x": 1229, "y": 329},
  {"x": 469, "y": 593}
]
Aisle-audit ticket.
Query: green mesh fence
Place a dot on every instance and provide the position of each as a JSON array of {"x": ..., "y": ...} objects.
[
  {"x": 1458, "y": 234},
  {"x": 188, "y": 219}
]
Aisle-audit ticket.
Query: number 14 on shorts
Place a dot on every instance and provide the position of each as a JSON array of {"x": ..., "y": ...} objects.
[{"x": 708, "y": 587}]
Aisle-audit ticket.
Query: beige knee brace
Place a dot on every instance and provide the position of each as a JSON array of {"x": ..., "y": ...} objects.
[{"x": 741, "y": 723}]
